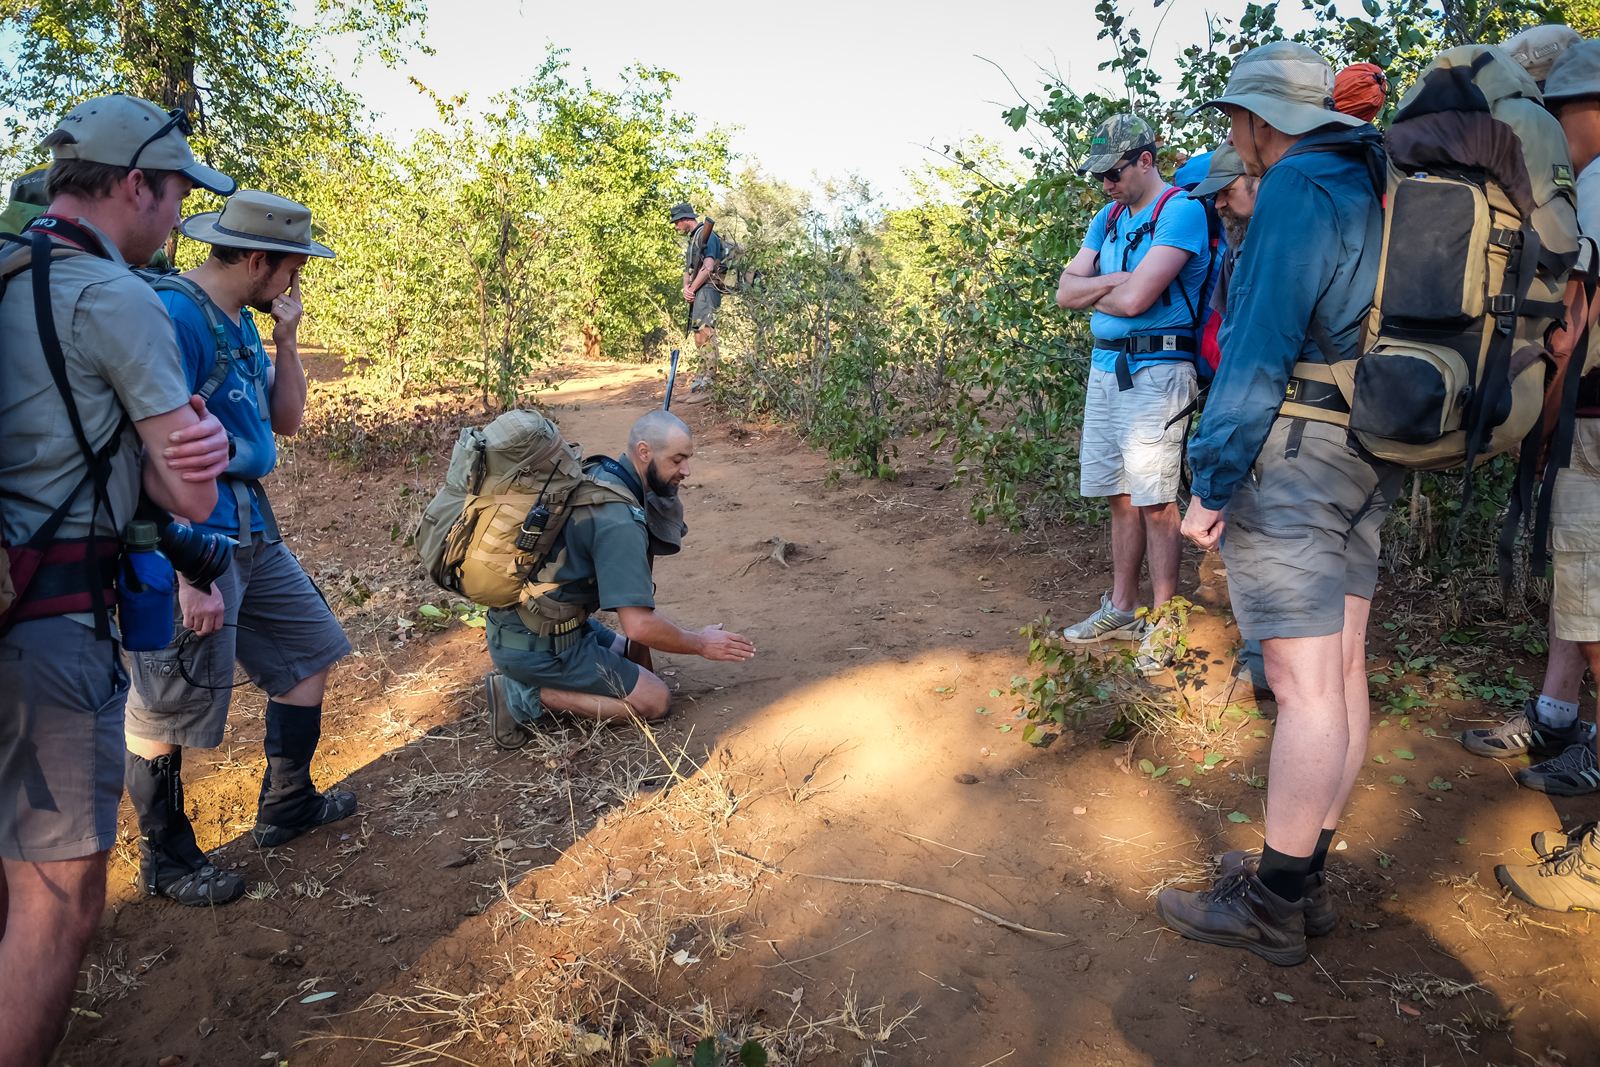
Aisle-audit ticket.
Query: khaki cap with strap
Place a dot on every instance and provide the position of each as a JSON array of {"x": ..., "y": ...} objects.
[
  {"x": 1287, "y": 85},
  {"x": 1538, "y": 47},
  {"x": 1575, "y": 74},
  {"x": 257, "y": 221},
  {"x": 125, "y": 131}
]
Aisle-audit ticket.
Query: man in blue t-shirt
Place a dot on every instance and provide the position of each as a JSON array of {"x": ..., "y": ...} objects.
[
  {"x": 1143, "y": 269},
  {"x": 702, "y": 263},
  {"x": 263, "y": 613}
]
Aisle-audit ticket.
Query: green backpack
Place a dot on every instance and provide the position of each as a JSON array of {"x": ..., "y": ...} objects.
[{"x": 509, "y": 491}]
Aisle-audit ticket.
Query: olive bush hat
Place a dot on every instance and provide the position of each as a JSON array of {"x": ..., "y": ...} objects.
[
  {"x": 1574, "y": 74},
  {"x": 683, "y": 211},
  {"x": 1225, "y": 169},
  {"x": 1115, "y": 138},
  {"x": 257, "y": 220},
  {"x": 1287, "y": 85},
  {"x": 1538, "y": 47},
  {"x": 126, "y": 131}
]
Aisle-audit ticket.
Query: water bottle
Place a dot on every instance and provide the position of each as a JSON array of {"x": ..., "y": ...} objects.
[{"x": 145, "y": 587}]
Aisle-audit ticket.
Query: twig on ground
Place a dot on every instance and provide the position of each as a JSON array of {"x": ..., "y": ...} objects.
[
  {"x": 941, "y": 844},
  {"x": 384, "y": 1041}
]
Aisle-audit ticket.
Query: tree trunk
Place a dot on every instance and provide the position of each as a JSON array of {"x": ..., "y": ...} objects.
[{"x": 591, "y": 341}]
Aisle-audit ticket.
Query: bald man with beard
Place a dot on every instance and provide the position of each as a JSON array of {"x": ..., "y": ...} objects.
[{"x": 601, "y": 560}]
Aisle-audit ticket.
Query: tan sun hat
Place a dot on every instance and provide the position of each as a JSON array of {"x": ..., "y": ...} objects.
[
  {"x": 256, "y": 220},
  {"x": 126, "y": 131},
  {"x": 1287, "y": 85},
  {"x": 1536, "y": 48}
]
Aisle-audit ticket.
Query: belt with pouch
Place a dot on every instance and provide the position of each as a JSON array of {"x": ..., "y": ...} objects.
[
  {"x": 1313, "y": 393},
  {"x": 1166, "y": 345},
  {"x": 562, "y": 636}
]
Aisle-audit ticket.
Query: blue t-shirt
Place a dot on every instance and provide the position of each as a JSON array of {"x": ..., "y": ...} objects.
[
  {"x": 237, "y": 403},
  {"x": 1182, "y": 225}
]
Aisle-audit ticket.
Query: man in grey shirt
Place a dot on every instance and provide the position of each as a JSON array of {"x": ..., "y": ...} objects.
[{"x": 80, "y": 439}]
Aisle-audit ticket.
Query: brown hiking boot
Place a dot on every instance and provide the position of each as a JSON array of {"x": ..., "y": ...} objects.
[
  {"x": 1239, "y": 912},
  {"x": 1322, "y": 917},
  {"x": 1568, "y": 881}
]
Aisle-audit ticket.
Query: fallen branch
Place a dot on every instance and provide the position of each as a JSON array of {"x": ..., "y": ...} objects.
[
  {"x": 900, "y": 887},
  {"x": 384, "y": 1041}
]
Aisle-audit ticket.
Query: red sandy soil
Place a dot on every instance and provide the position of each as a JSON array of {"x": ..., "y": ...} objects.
[{"x": 839, "y": 750}]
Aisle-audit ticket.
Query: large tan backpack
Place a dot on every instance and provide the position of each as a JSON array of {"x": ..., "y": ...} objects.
[
  {"x": 1480, "y": 237},
  {"x": 510, "y": 489}
]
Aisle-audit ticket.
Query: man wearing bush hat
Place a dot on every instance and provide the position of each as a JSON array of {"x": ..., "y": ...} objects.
[
  {"x": 263, "y": 612},
  {"x": 1297, "y": 510}
]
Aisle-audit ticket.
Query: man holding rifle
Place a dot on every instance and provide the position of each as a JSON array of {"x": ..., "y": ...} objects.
[{"x": 702, "y": 265}]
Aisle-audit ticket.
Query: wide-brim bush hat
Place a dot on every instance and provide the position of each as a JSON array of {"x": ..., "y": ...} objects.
[
  {"x": 1288, "y": 86},
  {"x": 125, "y": 131},
  {"x": 257, "y": 221},
  {"x": 1226, "y": 168},
  {"x": 1575, "y": 74},
  {"x": 683, "y": 211}
]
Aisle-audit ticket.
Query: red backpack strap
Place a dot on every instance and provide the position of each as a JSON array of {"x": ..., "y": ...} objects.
[{"x": 1155, "y": 214}]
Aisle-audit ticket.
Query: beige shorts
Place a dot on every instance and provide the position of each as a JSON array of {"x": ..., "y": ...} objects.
[
  {"x": 1130, "y": 444},
  {"x": 1575, "y": 539}
]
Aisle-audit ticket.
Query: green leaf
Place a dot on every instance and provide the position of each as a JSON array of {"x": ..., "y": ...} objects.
[
  {"x": 1398, "y": 779},
  {"x": 1184, "y": 781},
  {"x": 1238, "y": 816},
  {"x": 751, "y": 1054},
  {"x": 1214, "y": 759},
  {"x": 983, "y": 711},
  {"x": 432, "y": 612},
  {"x": 994, "y": 692},
  {"x": 1380, "y": 758},
  {"x": 1383, "y": 722},
  {"x": 1440, "y": 784},
  {"x": 664, "y": 1061},
  {"x": 1159, "y": 771},
  {"x": 705, "y": 1053},
  {"x": 1286, "y": 998},
  {"x": 1428, "y": 731},
  {"x": 943, "y": 689},
  {"x": 1461, "y": 840},
  {"x": 1402, "y": 753},
  {"x": 1258, "y": 733},
  {"x": 1147, "y": 767}
]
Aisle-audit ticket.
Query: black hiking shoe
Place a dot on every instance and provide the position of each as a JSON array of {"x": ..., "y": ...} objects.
[
  {"x": 1322, "y": 916},
  {"x": 1574, "y": 773},
  {"x": 1239, "y": 912},
  {"x": 170, "y": 861},
  {"x": 1524, "y": 734},
  {"x": 508, "y": 733},
  {"x": 290, "y": 805},
  {"x": 335, "y": 804}
]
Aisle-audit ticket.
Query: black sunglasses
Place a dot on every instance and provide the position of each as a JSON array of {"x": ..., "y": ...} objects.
[
  {"x": 177, "y": 119},
  {"x": 1114, "y": 175}
]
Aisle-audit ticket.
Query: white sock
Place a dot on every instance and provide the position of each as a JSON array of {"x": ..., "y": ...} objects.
[{"x": 1556, "y": 713}]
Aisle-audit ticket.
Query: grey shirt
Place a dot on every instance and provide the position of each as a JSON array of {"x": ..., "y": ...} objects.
[{"x": 121, "y": 355}]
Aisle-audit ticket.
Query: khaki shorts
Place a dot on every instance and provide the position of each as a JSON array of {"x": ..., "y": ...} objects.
[
  {"x": 1302, "y": 531},
  {"x": 61, "y": 750},
  {"x": 276, "y": 625},
  {"x": 1575, "y": 539},
  {"x": 594, "y": 664},
  {"x": 703, "y": 313},
  {"x": 1128, "y": 448}
]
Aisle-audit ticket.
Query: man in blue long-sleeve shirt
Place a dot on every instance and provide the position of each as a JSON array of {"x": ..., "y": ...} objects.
[{"x": 1300, "y": 501}]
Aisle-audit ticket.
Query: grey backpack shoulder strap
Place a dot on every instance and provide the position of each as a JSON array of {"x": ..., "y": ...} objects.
[{"x": 176, "y": 283}]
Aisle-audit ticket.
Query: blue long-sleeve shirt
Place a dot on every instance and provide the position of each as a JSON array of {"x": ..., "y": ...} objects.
[{"x": 1314, "y": 244}]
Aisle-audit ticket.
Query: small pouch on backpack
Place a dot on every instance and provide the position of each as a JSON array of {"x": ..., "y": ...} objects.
[
  {"x": 1409, "y": 391},
  {"x": 1435, "y": 251}
]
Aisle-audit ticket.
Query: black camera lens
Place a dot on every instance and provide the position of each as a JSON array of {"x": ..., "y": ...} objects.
[
  {"x": 199, "y": 556},
  {"x": 532, "y": 527}
]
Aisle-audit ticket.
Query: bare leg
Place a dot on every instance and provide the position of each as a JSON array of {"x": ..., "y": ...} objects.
[
  {"x": 648, "y": 700},
  {"x": 1358, "y": 706},
  {"x": 1163, "y": 547},
  {"x": 1311, "y": 748},
  {"x": 1590, "y": 650},
  {"x": 1563, "y": 671},
  {"x": 51, "y": 913},
  {"x": 1127, "y": 551},
  {"x": 308, "y": 693}
]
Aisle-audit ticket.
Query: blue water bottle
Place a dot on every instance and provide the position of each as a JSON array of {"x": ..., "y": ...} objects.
[{"x": 145, "y": 586}]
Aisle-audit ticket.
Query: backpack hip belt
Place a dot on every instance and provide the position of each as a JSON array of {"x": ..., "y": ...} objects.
[
  {"x": 1154, "y": 347},
  {"x": 1313, "y": 393}
]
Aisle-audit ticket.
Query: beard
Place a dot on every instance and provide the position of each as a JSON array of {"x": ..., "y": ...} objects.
[
  {"x": 659, "y": 485},
  {"x": 1235, "y": 226}
]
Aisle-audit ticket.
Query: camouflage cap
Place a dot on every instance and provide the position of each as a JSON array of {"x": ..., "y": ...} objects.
[
  {"x": 1226, "y": 168},
  {"x": 1574, "y": 74},
  {"x": 1116, "y": 137},
  {"x": 1537, "y": 47},
  {"x": 1287, "y": 85}
]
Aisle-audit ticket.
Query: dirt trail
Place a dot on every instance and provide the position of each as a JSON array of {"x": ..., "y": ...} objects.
[{"x": 605, "y": 894}]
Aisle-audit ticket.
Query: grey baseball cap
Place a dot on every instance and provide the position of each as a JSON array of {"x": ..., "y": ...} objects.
[
  {"x": 1115, "y": 138},
  {"x": 1574, "y": 74},
  {"x": 126, "y": 131},
  {"x": 1225, "y": 169},
  {"x": 1538, "y": 47},
  {"x": 1287, "y": 85}
]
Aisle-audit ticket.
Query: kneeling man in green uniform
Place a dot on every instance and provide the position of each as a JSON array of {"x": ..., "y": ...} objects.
[{"x": 602, "y": 560}]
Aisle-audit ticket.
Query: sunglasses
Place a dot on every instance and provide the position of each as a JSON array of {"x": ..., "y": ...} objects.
[
  {"x": 177, "y": 119},
  {"x": 1114, "y": 175}
]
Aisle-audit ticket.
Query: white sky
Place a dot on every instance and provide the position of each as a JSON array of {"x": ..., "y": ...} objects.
[{"x": 825, "y": 89}]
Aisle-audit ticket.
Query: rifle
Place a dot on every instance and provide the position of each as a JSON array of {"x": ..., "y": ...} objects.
[{"x": 672, "y": 378}]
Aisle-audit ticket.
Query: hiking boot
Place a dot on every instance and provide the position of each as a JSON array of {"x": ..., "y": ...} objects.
[
  {"x": 1574, "y": 773},
  {"x": 290, "y": 805},
  {"x": 1568, "y": 881},
  {"x": 1239, "y": 912},
  {"x": 507, "y": 732},
  {"x": 1322, "y": 916},
  {"x": 1524, "y": 734},
  {"x": 1106, "y": 624},
  {"x": 1547, "y": 843},
  {"x": 170, "y": 861}
]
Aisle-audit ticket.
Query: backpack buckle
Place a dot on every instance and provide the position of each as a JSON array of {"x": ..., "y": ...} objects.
[{"x": 1502, "y": 304}]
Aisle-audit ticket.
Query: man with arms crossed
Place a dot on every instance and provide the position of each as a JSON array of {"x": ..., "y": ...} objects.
[
  {"x": 1142, "y": 268},
  {"x": 62, "y": 684},
  {"x": 600, "y": 560},
  {"x": 263, "y": 613},
  {"x": 1301, "y": 503}
]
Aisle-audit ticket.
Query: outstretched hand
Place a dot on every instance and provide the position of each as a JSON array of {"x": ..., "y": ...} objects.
[
  {"x": 200, "y": 452},
  {"x": 719, "y": 644}
]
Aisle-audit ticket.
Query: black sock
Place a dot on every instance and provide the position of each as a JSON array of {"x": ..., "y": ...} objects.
[
  {"x": 1319, "y": 858},
  {"x": 1284, "y": 876}
]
